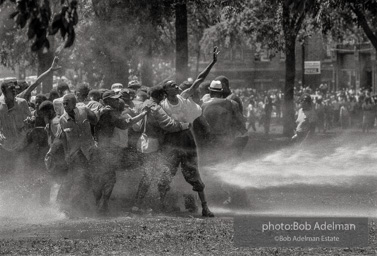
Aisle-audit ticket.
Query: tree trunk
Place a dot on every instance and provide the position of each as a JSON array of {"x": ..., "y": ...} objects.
[
  {"x": 44, "y": 62},
  {"x": 181, "y": 60},
  {"x": 116, "y": 72},
  {"x": 147, "y": 69},
  {"x": 364, "y": 24},
  {"x": 290, "y": 73}
]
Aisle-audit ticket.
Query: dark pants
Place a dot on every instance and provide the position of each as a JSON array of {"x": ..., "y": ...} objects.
[
  {"x": 188, "y": 160},
  {"x": 180, "y": 149},
  {"x": 75, "y": 193},
  {"x": 106, "y": 161}
]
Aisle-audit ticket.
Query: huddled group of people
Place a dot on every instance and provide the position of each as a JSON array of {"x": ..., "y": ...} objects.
[{"x": 79, "y": 139}]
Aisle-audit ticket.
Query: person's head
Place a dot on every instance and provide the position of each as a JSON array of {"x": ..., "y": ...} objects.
[
  {"x": 82, "y": 92},
  {"x": 53, "y": 95},
  {"x": 132, "y": 93},
  {"x": 94, "y": 95},
  {"x": 63, "y": 88},
  {"x": 117, "y": 87},
  {"x": 170, "y": 87},
  {"x": 21, "y": 85},
  {"x": 225, "y": 83},
  {"x": 157, "y": 93},
  {"x": 46, "y": 110},
  {"x": 204, "y": 88},
  {"x": 111, "y": 99},
  {"x": 9, "y": 90},
  {"x": 38, "y": 100},
  {"x": 134, "y": 84},
  {"x": 125, "y": 95},
  {"x": 144, "y": 89},
  {"x": 306, "y": 101},
  {"x": 69, "y": 102},
  {"x": 184, "y": 86},
  {"x": 216, "y": 89},
  {"x": 141, "y": 96}
]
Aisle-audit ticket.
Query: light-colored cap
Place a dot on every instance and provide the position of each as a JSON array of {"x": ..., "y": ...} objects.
[
  {"x": 215, "y": 86},
  {"x": 117, "y": 87}
]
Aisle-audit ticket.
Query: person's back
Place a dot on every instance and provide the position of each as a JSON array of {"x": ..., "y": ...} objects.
[{"x": 219, "y": 115}]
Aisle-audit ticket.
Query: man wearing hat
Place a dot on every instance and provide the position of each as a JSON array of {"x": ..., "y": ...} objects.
[
  {"x": 134, "y": 85},
  {"x": 117, "y": 87},
  {"x": 107, "y": 158},
  {"x": 224, "y": 119}
]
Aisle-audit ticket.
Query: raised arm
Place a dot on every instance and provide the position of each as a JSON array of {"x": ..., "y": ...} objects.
[
  {"x": 190, "y": 91},
  {"x": 54, "y": 67}
]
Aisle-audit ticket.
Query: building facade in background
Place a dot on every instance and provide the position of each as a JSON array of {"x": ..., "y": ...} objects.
[{"x": 347, "y": 65}]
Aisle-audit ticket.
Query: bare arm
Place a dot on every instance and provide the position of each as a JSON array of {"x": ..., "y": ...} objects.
[
  {"x": 125, "y": 123},
  {"x": 190, "y": 91},
  {"x": 54, "y": 66}
]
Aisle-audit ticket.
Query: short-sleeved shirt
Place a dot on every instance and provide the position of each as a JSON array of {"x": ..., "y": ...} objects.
[
  {"x": 12, "y": 124},
  {"x": 185, "y": 111}
]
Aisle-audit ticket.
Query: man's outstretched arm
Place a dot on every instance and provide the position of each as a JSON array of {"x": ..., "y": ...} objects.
[
  {"x": 27, "y": 91},
  {"x": 190, "y": 91}
]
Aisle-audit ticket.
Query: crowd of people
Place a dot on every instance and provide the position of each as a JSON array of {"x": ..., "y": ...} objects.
[
  {"x": 79, "y": 139},
  {"x": 342, "y": 109}
]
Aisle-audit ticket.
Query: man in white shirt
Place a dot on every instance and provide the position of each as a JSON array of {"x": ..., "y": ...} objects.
[{"x": 180, "y": 147}]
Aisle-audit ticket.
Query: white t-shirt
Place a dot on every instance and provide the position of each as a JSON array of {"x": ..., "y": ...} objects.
[{"x": 185, "y": 111}]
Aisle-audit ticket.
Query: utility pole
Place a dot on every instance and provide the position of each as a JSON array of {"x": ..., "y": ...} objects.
[{"x": 303, "y": 63}]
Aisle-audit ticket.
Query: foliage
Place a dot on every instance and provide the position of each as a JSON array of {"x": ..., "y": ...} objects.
[
  {"x": 14, "y": 48},
  {"x": 37, "y": 16},
  {"x": 345, "y": 18}
]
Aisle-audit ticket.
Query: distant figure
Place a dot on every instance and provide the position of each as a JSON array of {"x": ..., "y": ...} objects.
[
  {"x": 306, "y": 120},
  {"x": 368, "y": 114},
  {"x": 268, "y": 107}
]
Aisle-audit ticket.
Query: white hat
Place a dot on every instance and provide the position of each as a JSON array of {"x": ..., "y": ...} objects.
[
  {"x": 117, "y": 87},
  {"x": 216, "y": 86}
]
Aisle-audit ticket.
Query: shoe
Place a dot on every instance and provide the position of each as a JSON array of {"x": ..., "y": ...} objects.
[{"x": 207, "y": 213}]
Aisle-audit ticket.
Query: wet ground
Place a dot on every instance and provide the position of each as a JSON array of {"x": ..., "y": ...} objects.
[{"x": 332, "y": 175}]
